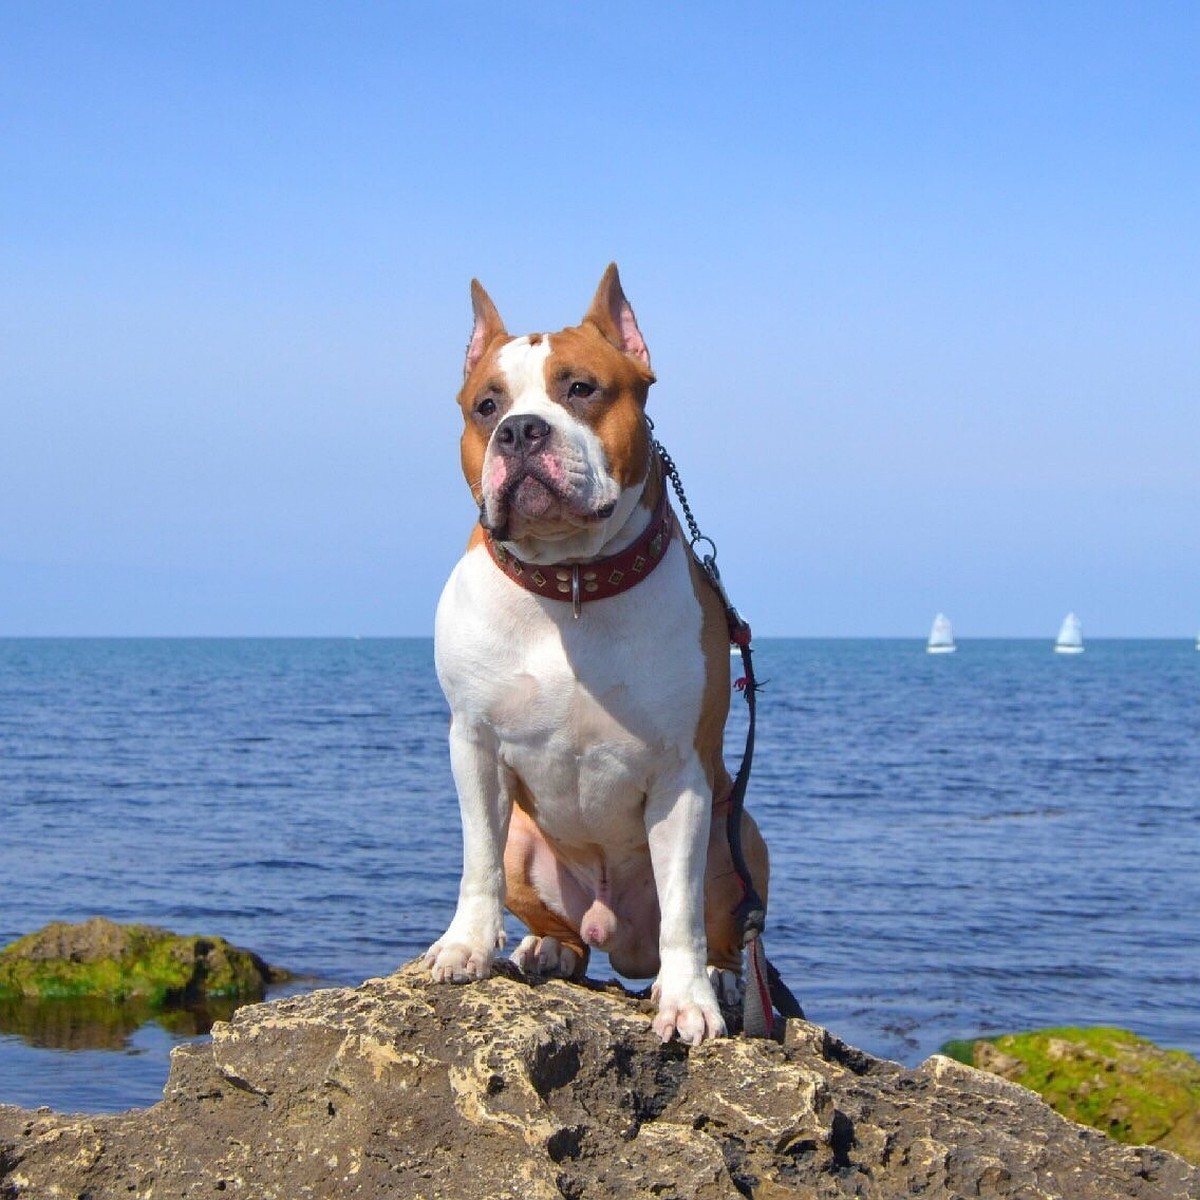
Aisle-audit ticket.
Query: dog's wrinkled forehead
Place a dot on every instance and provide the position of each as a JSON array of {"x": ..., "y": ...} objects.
[
  {"x": 567, "y": 367},
  {"x": 521, "y": 365}
]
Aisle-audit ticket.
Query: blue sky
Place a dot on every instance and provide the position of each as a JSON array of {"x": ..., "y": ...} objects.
[{"x": 921, "y": 284}]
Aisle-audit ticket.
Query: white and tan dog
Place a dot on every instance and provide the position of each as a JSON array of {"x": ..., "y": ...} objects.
[{"x": 585, "y": 659}]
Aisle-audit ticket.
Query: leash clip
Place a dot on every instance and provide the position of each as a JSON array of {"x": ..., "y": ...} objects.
[{"x": 576, "y": 598}]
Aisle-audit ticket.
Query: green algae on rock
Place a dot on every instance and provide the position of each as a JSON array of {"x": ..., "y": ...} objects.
[
  {"x": 123, "y": 963},
  {"x": 1107, "y": 1078}
]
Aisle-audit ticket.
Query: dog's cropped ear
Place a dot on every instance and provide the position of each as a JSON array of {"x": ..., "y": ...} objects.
[
  {"x": 488, "y": 326},
  {"x": 613, "y": 315}
]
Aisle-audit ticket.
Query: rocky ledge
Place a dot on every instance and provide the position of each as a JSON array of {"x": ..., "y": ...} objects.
[{"x": 512, "y": 1089}]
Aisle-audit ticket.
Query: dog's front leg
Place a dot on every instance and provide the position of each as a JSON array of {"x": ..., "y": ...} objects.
[
  {"x": 466, "y": 950},
  {"x": 677, "y": 822}
]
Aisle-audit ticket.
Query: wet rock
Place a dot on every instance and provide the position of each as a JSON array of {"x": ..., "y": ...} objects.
[{"x": 511, "y": 1089}]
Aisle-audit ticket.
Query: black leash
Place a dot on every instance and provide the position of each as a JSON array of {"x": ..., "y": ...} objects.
[{"x": 764, "y": 987}]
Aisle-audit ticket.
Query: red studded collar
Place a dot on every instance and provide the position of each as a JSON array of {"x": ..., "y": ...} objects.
[{"x": 597, "y": 579}]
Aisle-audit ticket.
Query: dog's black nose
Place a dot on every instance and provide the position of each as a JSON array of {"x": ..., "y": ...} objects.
[{"x": 521, "y": 433}]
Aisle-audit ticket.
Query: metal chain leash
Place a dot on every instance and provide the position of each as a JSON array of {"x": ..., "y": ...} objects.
[
  {"x": 673, "y": 475},
  {"x": 707, "y": 561}
]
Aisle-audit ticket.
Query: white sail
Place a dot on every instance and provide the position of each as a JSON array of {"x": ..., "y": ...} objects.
[
  {"x": 1070, "y": 636},
  {"x": 941, "y": 636}
]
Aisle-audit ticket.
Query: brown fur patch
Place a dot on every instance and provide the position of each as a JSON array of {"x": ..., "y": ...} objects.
[
  {"x": 486, "y": 378},
  {"x": 723, "y": 888},
  {"x": 714, "y": 644},
  {"x": 521, "y": 897},
  {"x": 616, "y": 411}
]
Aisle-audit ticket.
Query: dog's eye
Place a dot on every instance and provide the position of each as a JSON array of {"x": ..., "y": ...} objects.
[
  {"x": 581, "y": 390},
  {"x": 486, "y": 407}
]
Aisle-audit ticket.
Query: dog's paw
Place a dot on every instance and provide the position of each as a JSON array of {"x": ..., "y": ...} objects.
[
  {"x": 453, "y": 962},
  {"x": 691, "y": 1012},
  {"x": 546, "y": 956}
]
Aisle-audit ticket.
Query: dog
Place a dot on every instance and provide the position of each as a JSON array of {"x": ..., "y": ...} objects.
[{"x": 584, "y": 655}]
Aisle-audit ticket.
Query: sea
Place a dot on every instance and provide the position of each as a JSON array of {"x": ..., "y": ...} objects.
[{"x": 996, "y": 840}]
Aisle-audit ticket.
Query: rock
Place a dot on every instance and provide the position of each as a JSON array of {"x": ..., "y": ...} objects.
[
  {"x": 118, "y": 963},
  {"x": 509, "y": 1089},
  {"x": 1107, "y": 1078}
]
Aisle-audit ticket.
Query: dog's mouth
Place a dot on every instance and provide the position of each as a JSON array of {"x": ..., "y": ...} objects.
[
  {"x": 529, "y": 501},
  {"x": 534, "y": 497}
]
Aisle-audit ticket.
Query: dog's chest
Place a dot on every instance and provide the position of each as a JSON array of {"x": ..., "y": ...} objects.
[{"x": 586, "y": 712}]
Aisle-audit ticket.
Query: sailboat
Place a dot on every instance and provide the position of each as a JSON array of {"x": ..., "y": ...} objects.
[
  {"x": 941, "y": 636},
  {"x": 1070, "y": 636}
]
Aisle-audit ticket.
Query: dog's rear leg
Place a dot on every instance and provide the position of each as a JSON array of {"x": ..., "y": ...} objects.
[
  {"x": 550, "y": 958},
  {"x": 723, "y": 893},
  {"x": 554, "y": 947}
]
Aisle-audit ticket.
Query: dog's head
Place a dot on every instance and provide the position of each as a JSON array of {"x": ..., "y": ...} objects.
[{"x": 555, "y": 445}]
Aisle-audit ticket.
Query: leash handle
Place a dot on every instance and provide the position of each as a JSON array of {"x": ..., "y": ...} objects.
[{"x": 758, "y": 1019}]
